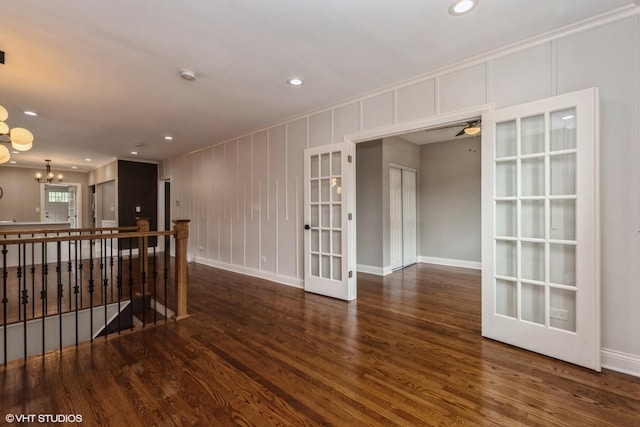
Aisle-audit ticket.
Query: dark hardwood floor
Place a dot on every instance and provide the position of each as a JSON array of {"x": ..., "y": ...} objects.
[{"x": 407, "y": 352}]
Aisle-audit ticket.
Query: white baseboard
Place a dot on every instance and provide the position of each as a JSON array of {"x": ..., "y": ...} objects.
[
  {"x": 370, "y": 269},
  {"x": 261, "y": 274},
  {"x": 620, "y": 362},
  {"x": 451, "y": 262}
]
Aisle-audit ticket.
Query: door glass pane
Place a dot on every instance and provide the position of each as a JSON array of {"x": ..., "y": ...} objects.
[
  {"x": 506, "y": 179},
  {"x": 533, "y": 261},
  {"x": 324, "y": 165},
  {"x": 326, "y": 242},
  {"x": 506, "y": 218},
  {"x": 337, "y": 242},
  {"x": 315, "y": 192},
  {"x": 315, "y": 216},
  {"x": 506, "y": 297},
  {"x": 337, "y": 216},
  {"x": 562, "y": 264},
  {"x": 532, "y": 137},
  {"x": 506, "y": 139},
  {"x": 315, "y": 265},
  {"x": 533, "y": 219},
  {"x": 315, "y": 241},
  {"x": 533, "y": 303},
  {"x": 326, "y": 267},
  {"x": 563, "y": 219},
  {"x": 335, "y": 163},
  {"x": 533, "y": 177},
  {"x": 336, "y": 189},
  {"x": 563, "y": 130},
  {"x": 563, "y": 175},
  {"x": 324, "y": 190},
  {"x": 337, "y": 268},
  {"x": 325, "y": 215},
  {"x": 314, "y": 166},
  {"x": 562, "y": 309},
  {"x": 505, "y": 258}
]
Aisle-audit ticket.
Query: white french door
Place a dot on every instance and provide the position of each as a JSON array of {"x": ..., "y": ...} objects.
[
  {"x": 329, "y": 237},
  {"x": 540, "y": 229}
]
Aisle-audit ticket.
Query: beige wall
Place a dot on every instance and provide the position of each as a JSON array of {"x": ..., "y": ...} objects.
[{"x": 22, "y": 194}]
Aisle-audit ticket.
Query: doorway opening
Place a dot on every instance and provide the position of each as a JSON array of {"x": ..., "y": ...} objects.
[
  {"x": 60, "y": 203},
  {"x": 419, "y": 199}
]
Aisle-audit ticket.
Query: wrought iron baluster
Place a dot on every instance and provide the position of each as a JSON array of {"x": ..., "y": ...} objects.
[
  {"x": 91, "y": 267},
  {"x": 43, "y": 292},
  {"x": 60, "y": 289},
  {"x": 76, "y": 290},
  {"x": 119, "y": 287},
  {"x": 19, "y": 277},
  {"x": 155, "y": 279},
  {"x": 24, "y": 298},
  {"x": 167, "y": 249},
  {"x": 105, "y": 285},
  {"x": 131, "y": 280},
  {"x": 4, "y": 299}
]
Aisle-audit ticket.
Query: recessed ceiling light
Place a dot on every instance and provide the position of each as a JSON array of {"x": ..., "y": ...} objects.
[
  {"x": 460, "y": 7},
  {"x": 134, "y": 153},
  {"x": 74, "y": 167},
  {"x": 13, "y": 162},
  {"x": 188, "y": 74},
  {"x": 295, "y": 82},
  {"x": 31, "y": 113},
  {"x": 168, "y": 138},
  {"x": 15, "y": 152},
  {"x": 88, "y": 159}
]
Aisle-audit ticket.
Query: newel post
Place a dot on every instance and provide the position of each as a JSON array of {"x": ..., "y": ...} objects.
[{"x": 181, "y": 227}]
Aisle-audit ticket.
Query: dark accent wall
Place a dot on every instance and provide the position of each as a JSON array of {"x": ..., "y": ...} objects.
[{"x": 137, "y": 188}]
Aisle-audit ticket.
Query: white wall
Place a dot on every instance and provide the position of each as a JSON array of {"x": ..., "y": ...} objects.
[{"x": 244, "y": 195}]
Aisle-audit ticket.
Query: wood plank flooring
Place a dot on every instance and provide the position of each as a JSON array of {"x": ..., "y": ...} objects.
[{"x": 407, "y": 352}]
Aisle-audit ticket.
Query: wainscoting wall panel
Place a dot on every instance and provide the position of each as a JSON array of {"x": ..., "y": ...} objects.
[{"x": 264, "y": 181}]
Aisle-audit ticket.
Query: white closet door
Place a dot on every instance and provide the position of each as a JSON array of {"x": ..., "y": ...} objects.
[
  {"x": 395, "y": 218},
  {"x": 409, "y": 220}
]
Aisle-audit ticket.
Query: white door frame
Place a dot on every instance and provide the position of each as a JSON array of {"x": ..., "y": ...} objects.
[{"x": 79, "y": 206}]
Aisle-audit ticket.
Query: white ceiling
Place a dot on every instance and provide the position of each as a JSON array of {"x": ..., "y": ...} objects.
[{"x": 103, "y": 75}]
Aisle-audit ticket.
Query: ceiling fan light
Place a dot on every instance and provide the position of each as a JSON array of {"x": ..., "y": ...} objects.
[
  {"x": 21, "y": 147},
  {"x": 4, "y": 154},
  {"x": 472, "y": 130},
  {"x": 4, "y": 128},
  {"x": 3, "y": 114}
]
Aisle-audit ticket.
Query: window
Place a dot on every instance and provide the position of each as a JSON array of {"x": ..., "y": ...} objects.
[{"x": 58, "y": 197}]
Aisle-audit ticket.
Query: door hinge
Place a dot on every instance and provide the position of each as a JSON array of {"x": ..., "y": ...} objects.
[
  {"x": 350, "y": 216},
  {"x": 349, "y": 158},
  {"x": 350, "y": 274}
]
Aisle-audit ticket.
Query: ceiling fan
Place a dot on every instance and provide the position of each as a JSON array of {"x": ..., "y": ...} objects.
[{"x": 471, "y": 128}]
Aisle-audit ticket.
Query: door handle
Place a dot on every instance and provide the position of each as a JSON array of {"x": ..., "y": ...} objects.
[{"x": 307, "y": 227}]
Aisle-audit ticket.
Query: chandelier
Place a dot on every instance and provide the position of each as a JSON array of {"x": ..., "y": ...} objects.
[
  {"x": 48, "y": 176},
  {"x": 19, "y": 138}
]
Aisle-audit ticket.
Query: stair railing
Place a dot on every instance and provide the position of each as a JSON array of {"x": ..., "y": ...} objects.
[{"x": 64, "y": 286}]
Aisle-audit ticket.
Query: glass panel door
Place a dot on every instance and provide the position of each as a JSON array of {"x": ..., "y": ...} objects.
[
  {"x": 327, "y": 176},
  {"x": 540, "y": 269}
]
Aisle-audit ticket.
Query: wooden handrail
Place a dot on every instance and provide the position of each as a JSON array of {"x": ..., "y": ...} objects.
[
  {"x": 47, "y": 239},
  {"x": 65, "y": 230}
]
